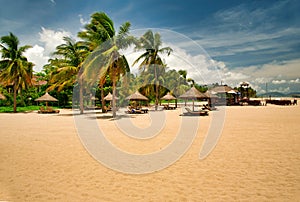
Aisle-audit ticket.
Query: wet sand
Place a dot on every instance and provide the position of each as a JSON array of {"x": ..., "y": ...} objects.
[{"x": 256, "y": 159}]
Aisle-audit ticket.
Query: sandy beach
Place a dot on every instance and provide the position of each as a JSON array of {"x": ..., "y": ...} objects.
[{"x": 256, "y": 159}]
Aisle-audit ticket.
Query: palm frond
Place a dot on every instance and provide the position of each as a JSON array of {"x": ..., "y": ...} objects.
[
  {"x": 166, "y": 50},
  {"x": 156, "y": 41},
  {"x": 144, "y": 55},
  {"x": 124, "y": 29},
  {"x": 23, "y": 49}
]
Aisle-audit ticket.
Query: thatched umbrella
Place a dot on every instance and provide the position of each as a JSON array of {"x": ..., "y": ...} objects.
[
  {"x": 232, "y": 92},
  {"x": 2, "y": 97},
  {"x": 109, "y": 97},
  {"x": 223, "y": 92},
  {"x": 193, "y": 94},
  {"x": 46, "y": 98},
  {"x": 94, "y": 98},
  {"x": 221, "y": 89},
  {"x": 137, "y": 96},
  {"x": 169, "y": 97},
  {"x": 211, "y": 96}
]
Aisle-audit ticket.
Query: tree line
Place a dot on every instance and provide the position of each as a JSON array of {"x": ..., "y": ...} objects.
[{"x": 96, "y": 57}]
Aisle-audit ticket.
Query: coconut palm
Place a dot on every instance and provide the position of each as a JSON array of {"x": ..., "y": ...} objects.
[
  {"x": 151, "y": 58},
  {"x": 192, "y": 81},
  {"x": 99, "y": 30},
  {"x": 14, "y": 67},
  {"x": 106, "y": 59},
  {"x": 66, "y": 68}
]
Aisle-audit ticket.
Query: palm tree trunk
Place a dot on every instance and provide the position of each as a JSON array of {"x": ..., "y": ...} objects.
[
  {"x": 156, "y": 95},
  {"x": 114, "y": 99},
  {"x": 22, "y": 98},
  {"x": 81, "y": 95},
  {"x": 102, "y": 98},
  {"x": 156, "y": 80},
  {"x": 15, "y": 97},
  {"x": 156, "y": 88}
]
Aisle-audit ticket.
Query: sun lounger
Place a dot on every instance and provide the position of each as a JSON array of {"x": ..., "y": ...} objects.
[
  {"x": 47, "y": 110},
  {"x": 167, "y": 107},
  {"x": 206, "y": 107},
  {"x": 195, "y": 113},
  {"x": 136, "y": 111}
]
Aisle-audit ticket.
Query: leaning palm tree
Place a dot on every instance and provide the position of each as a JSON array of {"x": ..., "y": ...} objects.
[
  {"x": 106, "y": 59},
  {"x": 72, "y": 55},
  {"x": 151, "y": 58},
  {"x": 14, "y": 67},
  {"x": 99, "y": 30}
]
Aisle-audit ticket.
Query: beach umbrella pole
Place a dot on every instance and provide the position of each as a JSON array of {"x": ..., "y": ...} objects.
[{"x": 193, "y": 105}]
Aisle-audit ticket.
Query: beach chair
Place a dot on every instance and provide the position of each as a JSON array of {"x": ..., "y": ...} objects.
[
  {"x": 47, "y": 110},
  {"x": 131, "y": 110},
  {"x": 195, "y": 113}
]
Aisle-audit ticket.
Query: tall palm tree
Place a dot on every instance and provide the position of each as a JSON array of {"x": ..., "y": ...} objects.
[
  {"x": 72, "y": 55},
  {"x": 104, "y": 42},
  {"x": 99, "y": 30},
  {"x": 14, "y": 67},
  {"x": 151, "y": 58},
  {"x": 192, "y": 81},
  {"x": 182, "y": 73}
]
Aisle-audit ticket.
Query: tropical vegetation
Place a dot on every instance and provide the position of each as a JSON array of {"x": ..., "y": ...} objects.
[
  {"x": 15, "y": 70},
  {"x": 105, "y": 58},
  {"x": 152, "y": 63},
  {"x": 94, "y": 63},
  {"x": 65, "y": 70}
]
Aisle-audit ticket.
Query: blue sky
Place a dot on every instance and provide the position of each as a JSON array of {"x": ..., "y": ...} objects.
[{"x": 257, "y": 41}]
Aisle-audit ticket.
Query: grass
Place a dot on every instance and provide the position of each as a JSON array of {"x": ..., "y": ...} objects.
[{"x": 10, "y": 109}]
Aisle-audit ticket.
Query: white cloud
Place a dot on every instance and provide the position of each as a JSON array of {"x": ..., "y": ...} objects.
[
  {"x": 295, "y": 80},
  {"x": 190, "y": 56},
  {"x": 279, "y": 81},
  {"x": 261, "y": 80},
  {"x": 235, "y": 76},
  {"x": 282, "y": 74},
  {"x": 36, "y": 55},
  {"x": 246, "y": 28},
  {"x": 286, "y": 70},
  {"x": 52, "y": 1},
  {"x": 281, "y": 89},
  {"x": 52, "y": 38},
  {"x": 199, "y": 67},
  {"x": 82, "y": 20},
  {"x": 40, "y": 54},
  {"x": 205, "y": 70},
  {"x": 259, "y": 89}
]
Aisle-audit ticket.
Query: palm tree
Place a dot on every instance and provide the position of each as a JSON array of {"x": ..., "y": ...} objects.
[
  {"x": 67, "y": 67},
  {"x": 99, "y": 30},
  {"x": 182, "y": 73},
  {"x": 101, "y": 37},
  {"x": 151, "y": 59},
  {"x": 14, "y": 68},
  {"x": 192, "y": 81}
]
